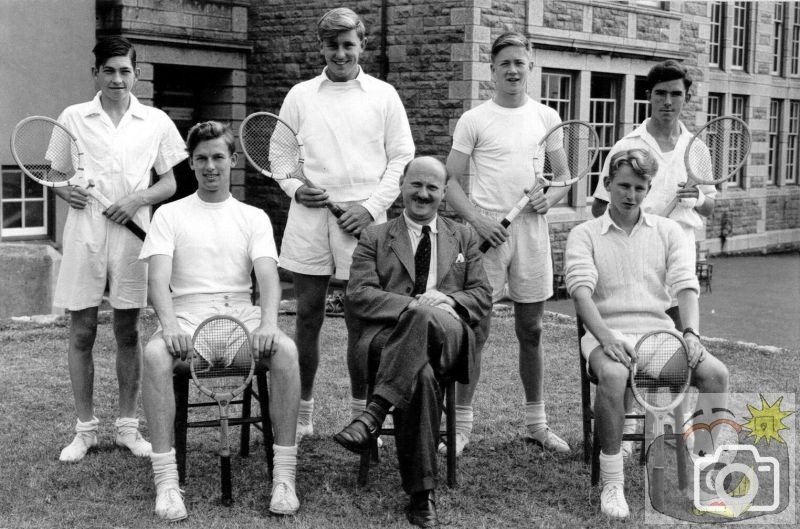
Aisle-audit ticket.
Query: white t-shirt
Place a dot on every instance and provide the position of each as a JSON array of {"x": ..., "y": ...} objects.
[
  {"x": 502, "y": 144},
  {"x": 212, "y": 244}
]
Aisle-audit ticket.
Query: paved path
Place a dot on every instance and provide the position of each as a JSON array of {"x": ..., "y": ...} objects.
[{"x": 754, "y": 299}]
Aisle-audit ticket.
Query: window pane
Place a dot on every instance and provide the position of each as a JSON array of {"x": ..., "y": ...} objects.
[
  {"x": 12, "y": 185},
  {"x": 34, "y": 214},
  {"x": 12, "y": 214},
  {"x": 32, "y": 189}
]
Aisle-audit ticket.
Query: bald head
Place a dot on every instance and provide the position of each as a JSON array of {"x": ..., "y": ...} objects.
[{"x": 423, "y": 186}]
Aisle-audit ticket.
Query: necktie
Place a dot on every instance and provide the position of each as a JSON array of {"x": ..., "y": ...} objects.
[{"x": 422, "y": 261}]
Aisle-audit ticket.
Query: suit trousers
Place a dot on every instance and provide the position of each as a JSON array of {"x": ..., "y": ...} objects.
[{"x": 424, "y": 347}]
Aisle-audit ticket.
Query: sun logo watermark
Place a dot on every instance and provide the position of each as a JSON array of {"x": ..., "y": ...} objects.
[{"x": 731, "y": 460}]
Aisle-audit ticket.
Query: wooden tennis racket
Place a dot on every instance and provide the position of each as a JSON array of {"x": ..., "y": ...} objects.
[
  {"x": 715, "y": 153},
  {"x": 275, "y": 150},
  {"x": 659, "y": 378},
  {"x": 570, "y": 150},
  {"x": 49, "y": 154},
  {"x": 222, "y": 366}
]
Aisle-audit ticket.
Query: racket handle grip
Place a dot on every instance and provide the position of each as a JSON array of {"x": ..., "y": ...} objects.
[
  {"x": 486, "y": 244},
  {"x": 225, "y": 477},
  {"x": 136, "y": 230},
  {"x": 670, "y": 207},
  {"x": 336, "y": 210}
]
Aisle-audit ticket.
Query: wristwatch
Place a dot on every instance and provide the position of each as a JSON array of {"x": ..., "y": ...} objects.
[{"x": 689, "y": 330}]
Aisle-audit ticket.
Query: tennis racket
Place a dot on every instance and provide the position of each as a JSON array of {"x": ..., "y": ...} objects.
[
  {"x": 715, "y": 153},
  {"x": 659, "y": 378},
  {"x": 222, "y": 366},
  {"x": 49, "y": 154},
  {"x": 273, "y": 147},
  {"x": 570, "y": 150}
]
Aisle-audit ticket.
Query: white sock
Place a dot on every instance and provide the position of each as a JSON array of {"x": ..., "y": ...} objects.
[
  {"x": 284, "y": 464},
  {"x": 630, "y": 426},
  {"x": 356, "y": 407},
  {"x": 165, "y": 470},
  {"x": 611, "y": 468},
  {"x": 305, "y": 412},
  {"x": 85, "y": 438},
  {"x": 535, "y": 417},
  {"x": 464, "y": 420}
]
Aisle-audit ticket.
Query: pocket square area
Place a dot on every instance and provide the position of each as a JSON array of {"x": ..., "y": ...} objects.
[{"x": 460, "y": 258}]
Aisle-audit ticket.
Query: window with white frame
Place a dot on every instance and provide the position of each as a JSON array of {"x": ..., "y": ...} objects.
[
  {"x": 794, "y": 60},
  {"x": 715, "y": 106},
  {"x": 778, "y": 38},
  {"x": 641, "y": 103},
  {"x": 603, "y": 114},
  {"x": 739, "y": 37},
  {"x": 738, "y": 109},
  {"x": 23, "y": 205},
  {"x": 715, "y": 41},
  {"x": 792, "y": 144},
  {"x": 774, "y": 151},
  {"x": 557, "y": 92}
]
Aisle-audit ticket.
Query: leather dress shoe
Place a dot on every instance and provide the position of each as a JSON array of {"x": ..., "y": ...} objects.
[
  {"x": 358, "y": 435},
  {"x": 422, "y": 510}
]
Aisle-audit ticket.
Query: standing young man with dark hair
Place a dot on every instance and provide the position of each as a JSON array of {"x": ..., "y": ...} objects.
[
  {"x": 357, "y": 141},
  {"x": 663, "y": 134},
  {"x": 123, "y": 140},
  {"x": 500, "y": 138}
]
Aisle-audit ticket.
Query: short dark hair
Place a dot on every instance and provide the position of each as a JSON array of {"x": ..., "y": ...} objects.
[
  {"x": 668, "y": 70},
  {"x": 510, "y": 38},
  {"x": 641, "y": 161},
  {"x": 338, "y": 20},
  {"x": 209, "y": 130},
  {"x": 114, "y": 46}
]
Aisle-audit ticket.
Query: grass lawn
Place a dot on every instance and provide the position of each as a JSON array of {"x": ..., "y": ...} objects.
[{"x": 503, "y": 480}]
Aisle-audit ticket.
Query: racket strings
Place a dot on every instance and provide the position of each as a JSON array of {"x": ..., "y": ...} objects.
[
  {"x": 46, "y": 150},
  {"x": 223, "y": 355},
  {"x": 662, "y": 369},
  {"x": 271, "y": 145},
  {"x": 580, "y": 144},
  {"x": 718, "y": 150}
]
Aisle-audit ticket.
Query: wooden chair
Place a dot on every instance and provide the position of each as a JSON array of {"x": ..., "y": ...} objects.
[
  {"x": 591, "y": 441},
  {"x": 372, "y": 455},
  {"x": 180, "y": 381}
]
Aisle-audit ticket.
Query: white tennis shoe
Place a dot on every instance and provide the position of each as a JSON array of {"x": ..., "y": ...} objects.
[
  {"x": 462, "y": 440},
  {"x": 549, "y": 441},
  {"x": 128, "y": 436},
  {"x": 76, "y": 450},
  {"x": 169, "y": 504},
  {"x": 612, "y": 501},
  {"x": 284, "y": 499},
  {"x": 303, "y": 430}
]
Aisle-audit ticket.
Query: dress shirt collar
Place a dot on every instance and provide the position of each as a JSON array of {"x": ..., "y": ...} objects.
[
  {"x": 96, "y": 107},
  {"x": 417, "y": 228},
  {"x": 606, "y": 222}
]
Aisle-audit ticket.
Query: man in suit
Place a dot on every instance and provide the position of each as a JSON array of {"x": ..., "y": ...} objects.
[{"x": 417, "y": 291}]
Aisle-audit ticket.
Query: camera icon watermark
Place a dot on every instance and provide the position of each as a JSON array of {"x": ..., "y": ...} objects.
[
  {"x": 711, "y": 475},
  {"x": 723, "y": 459}
]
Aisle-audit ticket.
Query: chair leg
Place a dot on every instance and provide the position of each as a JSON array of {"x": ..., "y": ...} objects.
[
  {"x": 450, "y": 398},
  {"x": 244, "y": 434},
  {"x": 680, "y": 448},
  {"x": 364, "y": 463},
  {"x": 266, "y": 420},
  {"x": 595, "y": 457},
  {"x": 181, "y": 391}
]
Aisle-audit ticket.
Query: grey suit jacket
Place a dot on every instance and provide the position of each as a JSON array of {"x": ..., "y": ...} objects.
[{"x": 382, "y": 280}]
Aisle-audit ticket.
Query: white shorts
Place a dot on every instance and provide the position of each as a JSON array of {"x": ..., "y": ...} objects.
[
  {"x": 523, "y": 261},
  {"x": 191, "y": 310},
  {"x": 313, "y": 243},
  {"x": 98, "y": 251},
  {"x": 589, "y": 343}
]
